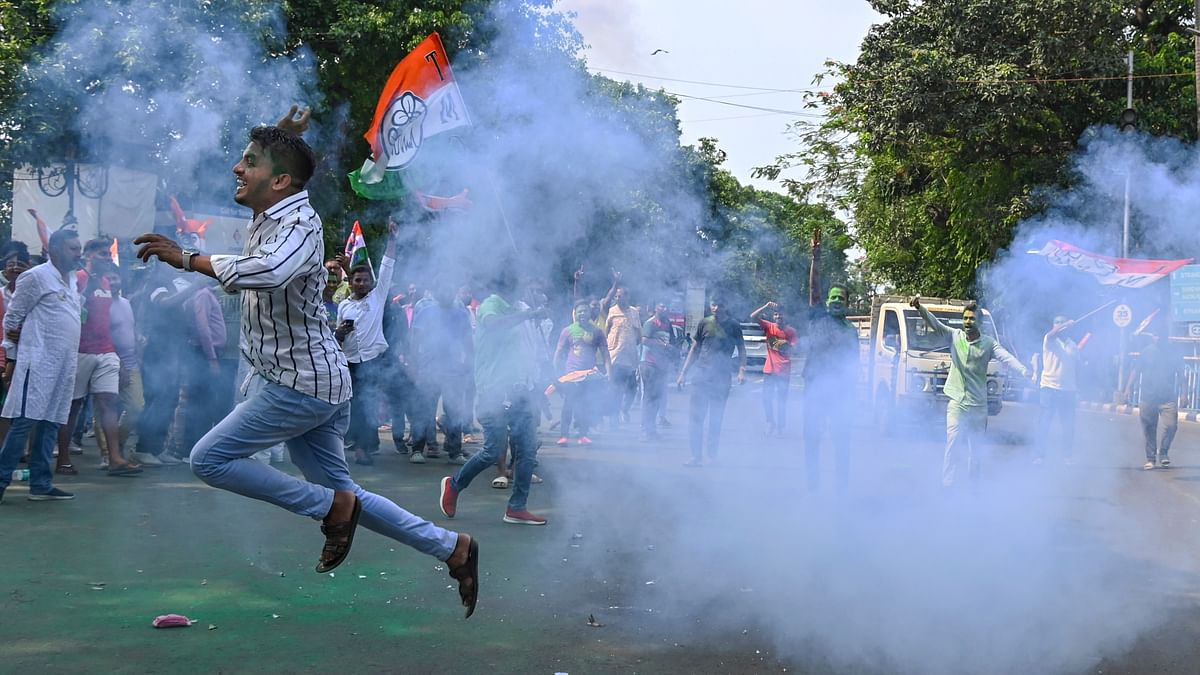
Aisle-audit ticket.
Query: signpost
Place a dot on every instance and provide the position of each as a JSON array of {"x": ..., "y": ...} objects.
[
  {"x": 1122, "y": 315},
  {"x": 1185, "y": 294}
]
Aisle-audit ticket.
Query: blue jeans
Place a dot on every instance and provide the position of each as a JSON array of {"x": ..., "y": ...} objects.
[
  {"x": 45, "y": 437},
  {"x": 709, "y": 395},
  {"x": 502, "y": 420},
  {"x": 313, "y": 431}
]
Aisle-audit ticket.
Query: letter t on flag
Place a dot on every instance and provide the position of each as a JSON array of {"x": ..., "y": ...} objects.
[{"x": 420, "y": 99}]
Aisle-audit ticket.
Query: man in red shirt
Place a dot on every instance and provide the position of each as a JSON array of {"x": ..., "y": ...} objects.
[
  {"x": 777, "y": 371},
  {"x": 99, "y": 370}
]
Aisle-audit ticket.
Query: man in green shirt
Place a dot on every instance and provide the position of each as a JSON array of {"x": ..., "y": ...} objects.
[
  {"x": 505, "y": 373},
  {"x": 966, "y": 385}
]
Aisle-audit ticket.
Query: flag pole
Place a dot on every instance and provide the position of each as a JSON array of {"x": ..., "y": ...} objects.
[
  {"x": 499, "y": 202},
  {"x": 1107, "y": 304}
]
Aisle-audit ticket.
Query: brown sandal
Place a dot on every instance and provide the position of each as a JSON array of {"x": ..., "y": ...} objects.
[
  {"x": 467, "y": 575},
  {"x": 335, "y": 551}
]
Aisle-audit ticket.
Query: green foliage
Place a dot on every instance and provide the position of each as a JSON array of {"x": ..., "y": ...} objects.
[
  {"x": 956, "y": 112},
  {"x": 341, "y": 52},
  {"x": 764, "y": 239}
]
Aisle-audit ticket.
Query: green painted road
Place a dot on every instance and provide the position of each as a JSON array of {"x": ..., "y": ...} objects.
[{"x": 727, "y": 569}]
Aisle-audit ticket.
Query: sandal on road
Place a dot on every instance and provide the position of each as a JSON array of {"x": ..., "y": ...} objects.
[
  {"x": 338, "y": 538},
  {"x": 500, "y": 482},
  {"x": 467, "y": 575},
  {"x": 66, "y": 470},
  {"x": 123, "y": 470}
]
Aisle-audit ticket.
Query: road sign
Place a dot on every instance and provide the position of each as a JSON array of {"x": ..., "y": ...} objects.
[
  {"x": 1122, "y": 315},
  {"x": 1185, "y": 293}
]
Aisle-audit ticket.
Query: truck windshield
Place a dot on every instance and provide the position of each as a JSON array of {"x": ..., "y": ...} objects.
[{"x": 922, "y": 338}]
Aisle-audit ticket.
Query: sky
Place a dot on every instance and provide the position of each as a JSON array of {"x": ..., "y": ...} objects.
[{"x": 765, "y": 44}]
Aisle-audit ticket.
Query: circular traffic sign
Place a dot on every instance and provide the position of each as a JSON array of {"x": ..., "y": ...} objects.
[{"x": 1122, "y": 315}]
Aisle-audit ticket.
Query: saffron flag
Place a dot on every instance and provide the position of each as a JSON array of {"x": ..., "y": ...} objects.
[
  {"x": 458, "y": 202},
  {"x": 189, "y": 232},
  {"x": 421, "y": 99},
  {"x": 1123, "y": 272},
  {"x": 115, "y": 252},
  {"x": 356, "y": 248}
]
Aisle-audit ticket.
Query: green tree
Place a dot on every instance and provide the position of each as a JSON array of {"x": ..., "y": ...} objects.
[{"x": 956, "y": 113}]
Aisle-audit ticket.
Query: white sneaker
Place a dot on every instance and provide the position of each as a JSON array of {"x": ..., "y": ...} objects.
[
  {"x": 416, "y": 458},
  {"x": 167, "y": 459},
  {"x": 75, "y": 449},
  {"x": 1164, "y": 461},
  {"x": 146, "y": 459},
  {"x": 1148, "y": 465},
  {"x": 103, "y": 465}
]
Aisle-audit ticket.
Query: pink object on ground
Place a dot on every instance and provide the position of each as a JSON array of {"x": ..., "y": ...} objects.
[{"x": 171, "y": 621}]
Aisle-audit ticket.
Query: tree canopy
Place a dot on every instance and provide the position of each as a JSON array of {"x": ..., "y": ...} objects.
[
  {"x": 957, "y": 113},
  {"x": 93, "y": 77}
]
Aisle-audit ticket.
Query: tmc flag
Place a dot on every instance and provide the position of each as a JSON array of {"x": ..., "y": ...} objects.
[{"x": 421, "y": 99}]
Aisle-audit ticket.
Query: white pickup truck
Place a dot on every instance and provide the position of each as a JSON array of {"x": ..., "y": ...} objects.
[{"x": 907, "y": 362}]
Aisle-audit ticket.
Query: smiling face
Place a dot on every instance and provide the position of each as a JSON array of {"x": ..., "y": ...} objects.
[
  {"x": 581, "y": 314},
  {"x": 12, "y": 267},
  {"x": 256, "y": 179}
]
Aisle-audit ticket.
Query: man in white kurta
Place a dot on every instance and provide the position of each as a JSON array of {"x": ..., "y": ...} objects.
[{"x": 45, "y": 311}]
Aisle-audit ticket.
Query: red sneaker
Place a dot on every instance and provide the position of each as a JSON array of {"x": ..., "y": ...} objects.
[
  {"x": 584, "y": 440},
  {"x": 562, "y": 440},
  {"x": 522, "y": 518},
  {"x": 449, "y": 497}
]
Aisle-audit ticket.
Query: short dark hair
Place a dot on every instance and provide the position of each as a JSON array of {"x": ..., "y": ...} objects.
[
  {"x": 96, "y": 245},
  {"x": 288, "y": 152},
  {"x": 15, "y": 248},
  {"x": 581, "y": 303},
  {"x": 971, "y": 306},
  {"x": 843, "y": 288},
  {"x": 60, "y": 236},
  {"x": 361, "y": 268}
]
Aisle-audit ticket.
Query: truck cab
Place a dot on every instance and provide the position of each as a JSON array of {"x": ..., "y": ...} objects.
[{"x": 907, "y": 362}]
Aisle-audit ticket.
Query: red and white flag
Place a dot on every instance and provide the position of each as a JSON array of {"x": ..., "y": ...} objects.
[
  {"x": 421, "y": 99},
  {"x": 1124, "y": 272}
]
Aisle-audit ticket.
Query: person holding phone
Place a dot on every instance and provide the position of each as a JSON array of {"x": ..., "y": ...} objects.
[{"x": 360, "y": 332}]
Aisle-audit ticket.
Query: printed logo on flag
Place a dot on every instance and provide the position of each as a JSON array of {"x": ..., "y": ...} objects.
[
  {"x": 402, "y": 128},
  {"x": 421, "y": 99}
]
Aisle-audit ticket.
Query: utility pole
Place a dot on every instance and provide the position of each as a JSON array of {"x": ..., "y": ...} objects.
[
  {"x": 814, "y": 271},
  {"x": 1128, "y": 123}
]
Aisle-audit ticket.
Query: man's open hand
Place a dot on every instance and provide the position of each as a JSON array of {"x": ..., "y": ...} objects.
[{"x": 161, "y": 247}]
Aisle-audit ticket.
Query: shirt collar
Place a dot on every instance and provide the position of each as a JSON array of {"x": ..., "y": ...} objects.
[{"x": 285, "y": 205}]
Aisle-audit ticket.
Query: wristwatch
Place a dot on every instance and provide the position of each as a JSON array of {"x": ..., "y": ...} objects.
[{"x": 187, "y": 259}]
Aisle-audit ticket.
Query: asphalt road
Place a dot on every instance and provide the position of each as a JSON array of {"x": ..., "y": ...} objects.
[{"x": 1083, "y": 568}]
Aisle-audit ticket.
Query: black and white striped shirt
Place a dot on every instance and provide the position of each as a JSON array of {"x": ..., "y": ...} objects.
[{"x": 281, "y": 274}]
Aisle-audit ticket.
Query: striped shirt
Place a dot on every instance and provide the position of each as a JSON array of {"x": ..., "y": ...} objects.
[{"x": 281, "y": 272}]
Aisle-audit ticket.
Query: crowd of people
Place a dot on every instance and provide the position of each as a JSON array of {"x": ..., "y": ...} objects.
[{"x": 321, "y": 353}]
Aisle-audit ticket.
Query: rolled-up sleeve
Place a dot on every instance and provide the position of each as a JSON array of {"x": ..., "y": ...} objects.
[{"x": 278, "y": 260}]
